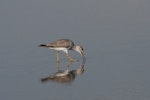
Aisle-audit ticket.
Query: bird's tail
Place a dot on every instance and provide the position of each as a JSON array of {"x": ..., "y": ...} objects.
[{"x": 42, "y": 45}]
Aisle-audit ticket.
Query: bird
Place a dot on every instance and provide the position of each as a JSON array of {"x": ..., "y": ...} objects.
[{"x": 64, "y": 45}]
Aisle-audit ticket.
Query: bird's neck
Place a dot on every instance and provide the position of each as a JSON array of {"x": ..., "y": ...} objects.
[{"x": 74, "y": 47}]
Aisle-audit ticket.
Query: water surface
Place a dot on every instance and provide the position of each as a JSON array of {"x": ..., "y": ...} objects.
[{"x": 115, "y": 35}]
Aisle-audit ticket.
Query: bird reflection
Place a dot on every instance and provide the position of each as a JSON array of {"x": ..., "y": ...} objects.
[{"x": 64, "y": 76}]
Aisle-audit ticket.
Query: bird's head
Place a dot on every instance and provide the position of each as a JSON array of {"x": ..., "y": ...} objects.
[{"x": 79, "y": 49}]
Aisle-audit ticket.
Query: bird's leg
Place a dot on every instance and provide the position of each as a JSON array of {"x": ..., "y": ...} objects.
[
  {"x": 70, "y": 58},
  {"x": 57, "y": 56},
  {"x": 58, "y": 66}
]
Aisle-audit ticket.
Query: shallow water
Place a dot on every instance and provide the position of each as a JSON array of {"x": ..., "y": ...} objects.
[{"x": 115, "y": 35}]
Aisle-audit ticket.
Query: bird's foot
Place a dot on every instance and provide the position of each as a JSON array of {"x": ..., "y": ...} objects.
[
  {"x": 72, "y": 60},
  {"x": 58, "y": 61}
]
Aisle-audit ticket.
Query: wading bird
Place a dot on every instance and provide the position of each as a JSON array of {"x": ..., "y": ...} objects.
[{"x": 64, "y": 45}]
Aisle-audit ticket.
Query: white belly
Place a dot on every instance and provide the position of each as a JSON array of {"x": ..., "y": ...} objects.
[{"x": 60, "y": 49}]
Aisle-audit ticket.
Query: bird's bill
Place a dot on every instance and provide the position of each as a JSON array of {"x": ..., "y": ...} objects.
[
  {"x": 81, "y": 53},
  {"x": 83, "y": 56},
  {"x": 80, "y": 50}
]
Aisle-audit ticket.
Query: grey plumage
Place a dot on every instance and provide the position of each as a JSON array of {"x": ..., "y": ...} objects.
[{"x": 65, "y": 43}]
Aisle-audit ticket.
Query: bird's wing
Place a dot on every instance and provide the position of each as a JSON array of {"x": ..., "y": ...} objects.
[{"x": 60, "y": 43}]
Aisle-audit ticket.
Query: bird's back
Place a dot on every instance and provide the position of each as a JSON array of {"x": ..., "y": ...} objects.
[{"x": 66, "y": 43}]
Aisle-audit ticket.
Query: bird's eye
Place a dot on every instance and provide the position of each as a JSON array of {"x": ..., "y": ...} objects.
[{"x": 81, "y": 47}]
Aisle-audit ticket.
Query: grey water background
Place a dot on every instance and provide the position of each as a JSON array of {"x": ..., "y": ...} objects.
[{"x": 114, "y": 33}]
